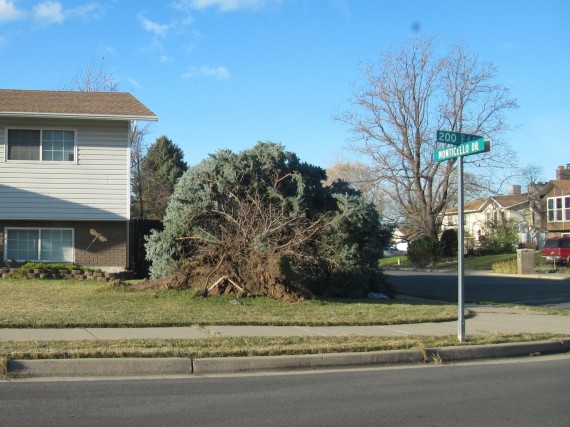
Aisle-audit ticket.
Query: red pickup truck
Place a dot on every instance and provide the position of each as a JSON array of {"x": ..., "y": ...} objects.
[{"x": 557, "y": 249}]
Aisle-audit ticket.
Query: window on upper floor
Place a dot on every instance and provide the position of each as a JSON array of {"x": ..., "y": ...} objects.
[
  {"x": 41, "y": 144},
  {"x": 558, "y": 209},
  {"x": 39, "y": 244}
]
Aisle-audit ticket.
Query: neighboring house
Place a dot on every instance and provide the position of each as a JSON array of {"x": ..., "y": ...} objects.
[
  {"x": 65, "y": 176},
  {"x": 516, "y": 207},
  {"x": 401, "y": 237},
  {"x": 555, "y": 204}
]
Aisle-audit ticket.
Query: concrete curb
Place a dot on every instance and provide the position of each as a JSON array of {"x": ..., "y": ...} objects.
[
  {"x": 98, "y": 367},
  {"x": 228, "y": 365},
  {"x": 499, "y": 351},
  {"x": 218, "y": 365}
]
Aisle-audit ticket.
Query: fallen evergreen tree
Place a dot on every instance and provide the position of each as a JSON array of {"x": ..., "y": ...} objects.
[{"x": 261, "y": 222}]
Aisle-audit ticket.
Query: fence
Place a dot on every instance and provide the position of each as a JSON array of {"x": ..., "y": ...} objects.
[{"x": 139, "y": 229}]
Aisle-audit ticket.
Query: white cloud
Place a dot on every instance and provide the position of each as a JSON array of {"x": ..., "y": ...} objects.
[
  {"x": 9, "y": 12},
  {"x": 509, "y": 45},
  {"x": 111, "y": 51},
  {"x": 133, "y": 82},
  {"x": 89, "y": 11},
  {"x": 220, "y": 73},
  {"x": 155, "y": 47},
  {"x": 49, "y": 12},
  {"x": 151, "y": 26},
  {"x": 225, "y": 5},
  {"x": 3, "y": 42},
  {"x": 192, "y": 45}
]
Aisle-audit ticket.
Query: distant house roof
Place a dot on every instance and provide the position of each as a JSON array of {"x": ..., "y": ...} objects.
[
  {"x": 477, "y": 205},
  {"x": 510, "y": 200},
  {"x": 70, "y": 104},
  {"x": 562, "y": 184},
  {"x": 471, "y": 206}
]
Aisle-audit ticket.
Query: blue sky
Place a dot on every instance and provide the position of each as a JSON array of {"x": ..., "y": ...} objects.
[{"x": 227, "y": 73}]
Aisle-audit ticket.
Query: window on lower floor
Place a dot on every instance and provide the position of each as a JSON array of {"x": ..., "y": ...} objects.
[
  {"x": 44, "y": 145},
  {"x": 39, "y": 244},
  {"x": 558, "y": 208}
]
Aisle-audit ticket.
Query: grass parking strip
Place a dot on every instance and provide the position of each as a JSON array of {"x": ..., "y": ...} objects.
[{"x": 239, "y": 346}]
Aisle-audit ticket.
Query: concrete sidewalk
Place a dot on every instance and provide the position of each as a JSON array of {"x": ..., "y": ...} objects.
[{"x": 485, "y": 320}]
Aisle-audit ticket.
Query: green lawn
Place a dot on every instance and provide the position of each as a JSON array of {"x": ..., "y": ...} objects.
[
  {"x": 395, "y": 261},
  {"x": 67, "y": 303},
  {"x": 486, "y": 262},
  {"x": 471, "y": 263}
]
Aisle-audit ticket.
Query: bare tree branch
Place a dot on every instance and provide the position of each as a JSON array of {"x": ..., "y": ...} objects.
[
  {"x": 403, "y": 100},
  {"x": 93, "y": 78}
]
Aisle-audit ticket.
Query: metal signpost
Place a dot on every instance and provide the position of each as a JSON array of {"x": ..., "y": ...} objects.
[{"x": 464, "y": 144}]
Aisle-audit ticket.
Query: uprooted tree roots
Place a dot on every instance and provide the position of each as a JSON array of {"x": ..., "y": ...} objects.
[{"x": 262, "y": 277}]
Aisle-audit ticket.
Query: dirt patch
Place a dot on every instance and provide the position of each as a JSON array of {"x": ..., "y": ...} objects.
[
  {"x": 263, "y": 277},
  {"x": 144, "y": 285}
]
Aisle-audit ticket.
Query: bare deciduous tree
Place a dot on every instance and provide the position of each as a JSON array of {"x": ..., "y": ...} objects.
[
  {"x": 531, "y": 173},
  {"x": 93, "y": 78},
  {"x": 138, "y": 150},
  {"x": 362, "y": 177},
  {"x": 404, "y": 99}
]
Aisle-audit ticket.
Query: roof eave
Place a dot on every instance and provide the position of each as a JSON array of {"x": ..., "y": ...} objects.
[
  {"x": 78, "y": 116},
  {"x": 464, "y": 211},
  {"x": 515, "y": 204}
]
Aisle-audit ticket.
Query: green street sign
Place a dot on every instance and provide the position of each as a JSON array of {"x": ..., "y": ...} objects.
[
  {"x": 455, "y": 138},
  {"x": 466, "y": 149}
]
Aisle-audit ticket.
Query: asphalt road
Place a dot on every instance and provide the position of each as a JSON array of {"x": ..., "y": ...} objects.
[
  {"x": 507, "y": 393},
  {"x": 484, "y": 288}
]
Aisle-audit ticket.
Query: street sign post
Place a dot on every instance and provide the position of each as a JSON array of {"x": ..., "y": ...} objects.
[{"x": 464, "y": 144}]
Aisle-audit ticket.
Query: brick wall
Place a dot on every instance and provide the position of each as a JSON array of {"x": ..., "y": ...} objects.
[{"x": 108, "y": 255}]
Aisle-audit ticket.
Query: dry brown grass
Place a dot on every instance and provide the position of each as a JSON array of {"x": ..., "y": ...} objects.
[
  {"x": 67, "y": 303},
  {"x": 241, "y": 346}
]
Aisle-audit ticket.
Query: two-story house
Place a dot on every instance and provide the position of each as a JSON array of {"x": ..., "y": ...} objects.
[
  {"x": 555, "y": 204},
  {"x": 516, "y": 207},
  {"x": 65, "y": 176}
]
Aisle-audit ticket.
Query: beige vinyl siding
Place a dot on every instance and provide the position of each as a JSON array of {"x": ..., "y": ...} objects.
[{"x": 95, "y": 187}]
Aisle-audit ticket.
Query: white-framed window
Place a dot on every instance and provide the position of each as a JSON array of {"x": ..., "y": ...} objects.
[
  {"x": 50, "y": 145},
  {"x": 558, "y": 209},
  {"x": 39, "y": 244}
]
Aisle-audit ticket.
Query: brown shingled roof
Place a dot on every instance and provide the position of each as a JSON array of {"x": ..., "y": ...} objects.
[
  {"x": 110, "y": 105},
  {"x": 510, "y": 199},
  {"x": 561, "y": 184},
  {"x": 471, "y": 206}
]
